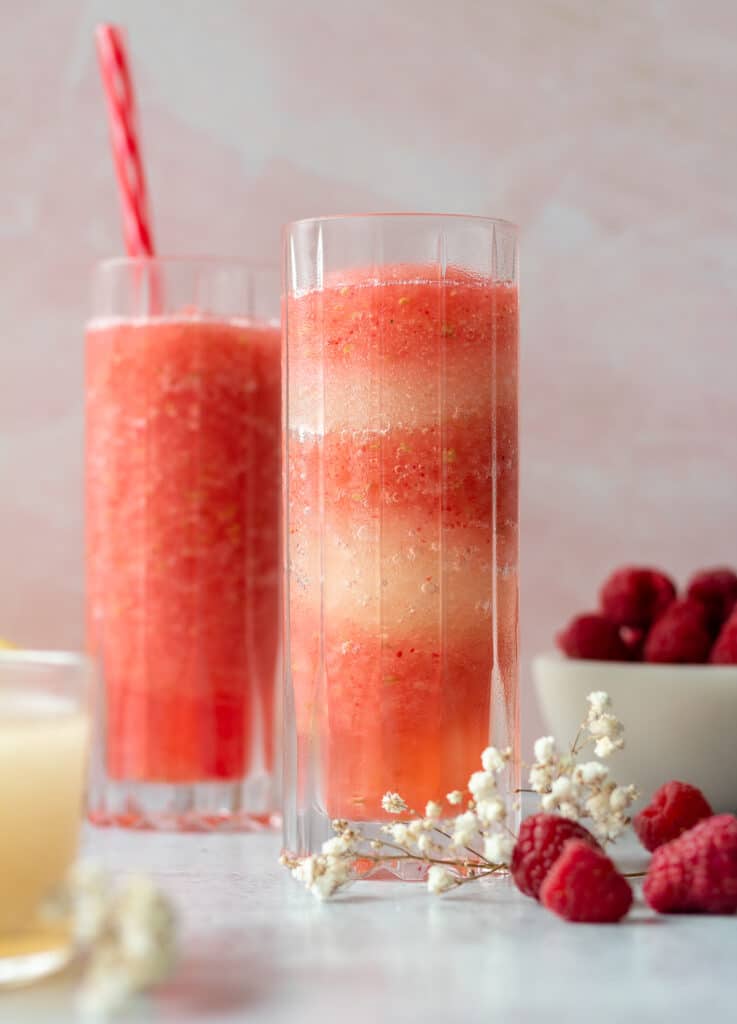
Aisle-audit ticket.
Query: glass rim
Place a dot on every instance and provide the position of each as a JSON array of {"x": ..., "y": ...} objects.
[
  {"x": 406, "y": 215},
  {"x": 205, "y": 260},
  {"x": 49, "y": 658}
]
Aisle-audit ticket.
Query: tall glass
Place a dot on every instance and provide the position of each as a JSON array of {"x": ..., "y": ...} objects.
[
  {"x": 183, "y": 469},
  {"x": 401, "y": 508},
  {"x": 45, "y": 725}
]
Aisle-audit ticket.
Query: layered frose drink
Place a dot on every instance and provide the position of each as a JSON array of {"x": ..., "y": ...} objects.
[{"x": 402, "y": 531}]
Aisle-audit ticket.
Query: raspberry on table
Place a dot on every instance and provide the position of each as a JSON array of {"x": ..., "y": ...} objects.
[
  {"x": 540, "y": 843},
  {"x": 680, "y": 636},
  {"x": 696, "y": 873},
  {"x": 584, "y": 886},
  {"x": 716, "y": 590},
  {"x": 724, "y": 651},
  {"x": 636, "y": 596},
  {"x": 673, "y": 809},
  {"x": 592, "y": 636}
]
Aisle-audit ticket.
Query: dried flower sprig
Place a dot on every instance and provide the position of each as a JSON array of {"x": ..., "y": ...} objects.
[
  {"x": 478, "y": 842},
  {"x": 585, "y": 791},
  {"x": 126, "y": 933}
]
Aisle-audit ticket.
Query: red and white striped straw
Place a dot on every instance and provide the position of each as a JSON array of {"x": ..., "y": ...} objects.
[{"x": 121, "y": 107}]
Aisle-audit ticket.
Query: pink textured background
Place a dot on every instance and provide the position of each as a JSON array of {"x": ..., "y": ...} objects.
[{"x": 605, "y": 131}]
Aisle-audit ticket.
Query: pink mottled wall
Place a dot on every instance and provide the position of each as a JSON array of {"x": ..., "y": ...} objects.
[{"x": 606, "y": 130}]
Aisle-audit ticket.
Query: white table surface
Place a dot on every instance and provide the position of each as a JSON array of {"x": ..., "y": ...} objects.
[{"x": 256, "y": 947}]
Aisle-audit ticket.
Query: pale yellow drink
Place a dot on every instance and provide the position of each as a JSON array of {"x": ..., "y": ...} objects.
[{"x": 43, "y": 749}]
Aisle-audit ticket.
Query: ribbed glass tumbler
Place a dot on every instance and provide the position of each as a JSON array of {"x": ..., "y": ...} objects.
[{"x": 401, "y": 495}]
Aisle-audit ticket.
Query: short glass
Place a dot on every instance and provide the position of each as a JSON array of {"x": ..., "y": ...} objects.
[
  {"x": 183, "y": 399},
  {"x": 401, "y": 470},
  {"x": 45, "y": 727}
]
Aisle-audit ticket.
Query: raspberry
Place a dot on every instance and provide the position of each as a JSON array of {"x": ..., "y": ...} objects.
[
  {"x": 541, "y": 840},
  {"x": 635, "y": 596},
  {"x": 592, "y": 636},
  {"x": 634, "y": 640},
  {"x": 716, "y": 590},
  {"x": 583, "y": 885},
  {"x": 696, "y": 873},
  {"x": 680, "y": 636},
  {"x": 673, "y": 809},
  {"x": 724, "y": 651}
]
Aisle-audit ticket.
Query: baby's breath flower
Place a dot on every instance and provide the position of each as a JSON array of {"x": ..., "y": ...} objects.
[
  {"x": 570, "y": 810},
  {"x": 433, "y": 810},
  {"x": 425, "y": 843},
  {"x": 605, "y": 747},
  {"x": 545, "y": 750},
  {"x": 455, "y": 797},
  {"x": 465, "y": 829},
  {"x": 540, "y": 778},
  {"x": 592, "y": 772},
  {"x": 439, "y": 879},
  {"x": 393, "y": 803},
  {"x": 599, "y": 702},
  {"x": 498, "y": 848},
  {"x": 493, "y": 760},
  {"x": 482, "y": 785},
  {"x": 561, "y": 788},
  {"x": 598, "y": 805},
  {"x": 622, "y": 797},
  {"x": 323, "y": 875},
  {"x": 399, "y": 833},
  {"x": 128, "y": 933},
  {"x": 416, "y": 827},
  {"x": 548, "y": 803},
  {"x": 491, "y": 810},
  {"x": 335, "y": 846}
]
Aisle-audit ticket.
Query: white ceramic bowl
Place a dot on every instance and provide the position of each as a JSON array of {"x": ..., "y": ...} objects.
[{"x": 680, "y": 720}]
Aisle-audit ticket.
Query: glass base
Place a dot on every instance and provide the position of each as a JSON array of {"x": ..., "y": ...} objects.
[
  {"x": 29, "y": 967},
  {"x": 241, "y": 806}
]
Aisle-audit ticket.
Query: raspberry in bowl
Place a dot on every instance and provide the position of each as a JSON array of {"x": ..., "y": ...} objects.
[{"x": 668, "y": 659}]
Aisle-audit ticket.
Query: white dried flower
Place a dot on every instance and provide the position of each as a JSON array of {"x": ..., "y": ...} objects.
[
  {"x": 622, "y": 797},
  {"x": 335, "y": 847},
  {"x": 548, "y": 803},
  {"x": 439, "y": 879},
  {"x": 322, "y": 875},
  {"x": 605, "y": 747},
  {"x": 570, "y": 810},
  {"x": 456, "y": 797},
  {"x": 598, "y": 805},
  {"x": 425, "y": 843},
  {"x": 482, "y": 785},
  {"x": 561, "y": 788},
  {"x": 89, "y": 890},
  {"x": 606, "y": 725},
  {"x": 499, "y": 848},
  {"x": 400, "y": 833},
  {"x": 492, "y": 760},
  {"x": 540, "y": 778},
  {"x": 130, "y": 935},
  {"x": 304, "y": 871},
  {"x": 592, "y": 772},
  {"x": 599, "y": 702},
  {"x": 433, "y": 810},
  {"x": 144, "y": 921},
  {"x": 393, "y": 803},
  {"x": 465, "y": 829},
  {"x": 491, "y": 810},
  {"x": 545, "y": 750}
]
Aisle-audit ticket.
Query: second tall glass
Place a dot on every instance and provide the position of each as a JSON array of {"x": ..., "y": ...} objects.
[
  {"x": 401, "y": 500},
  {"x": 183, "y": 397}
]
